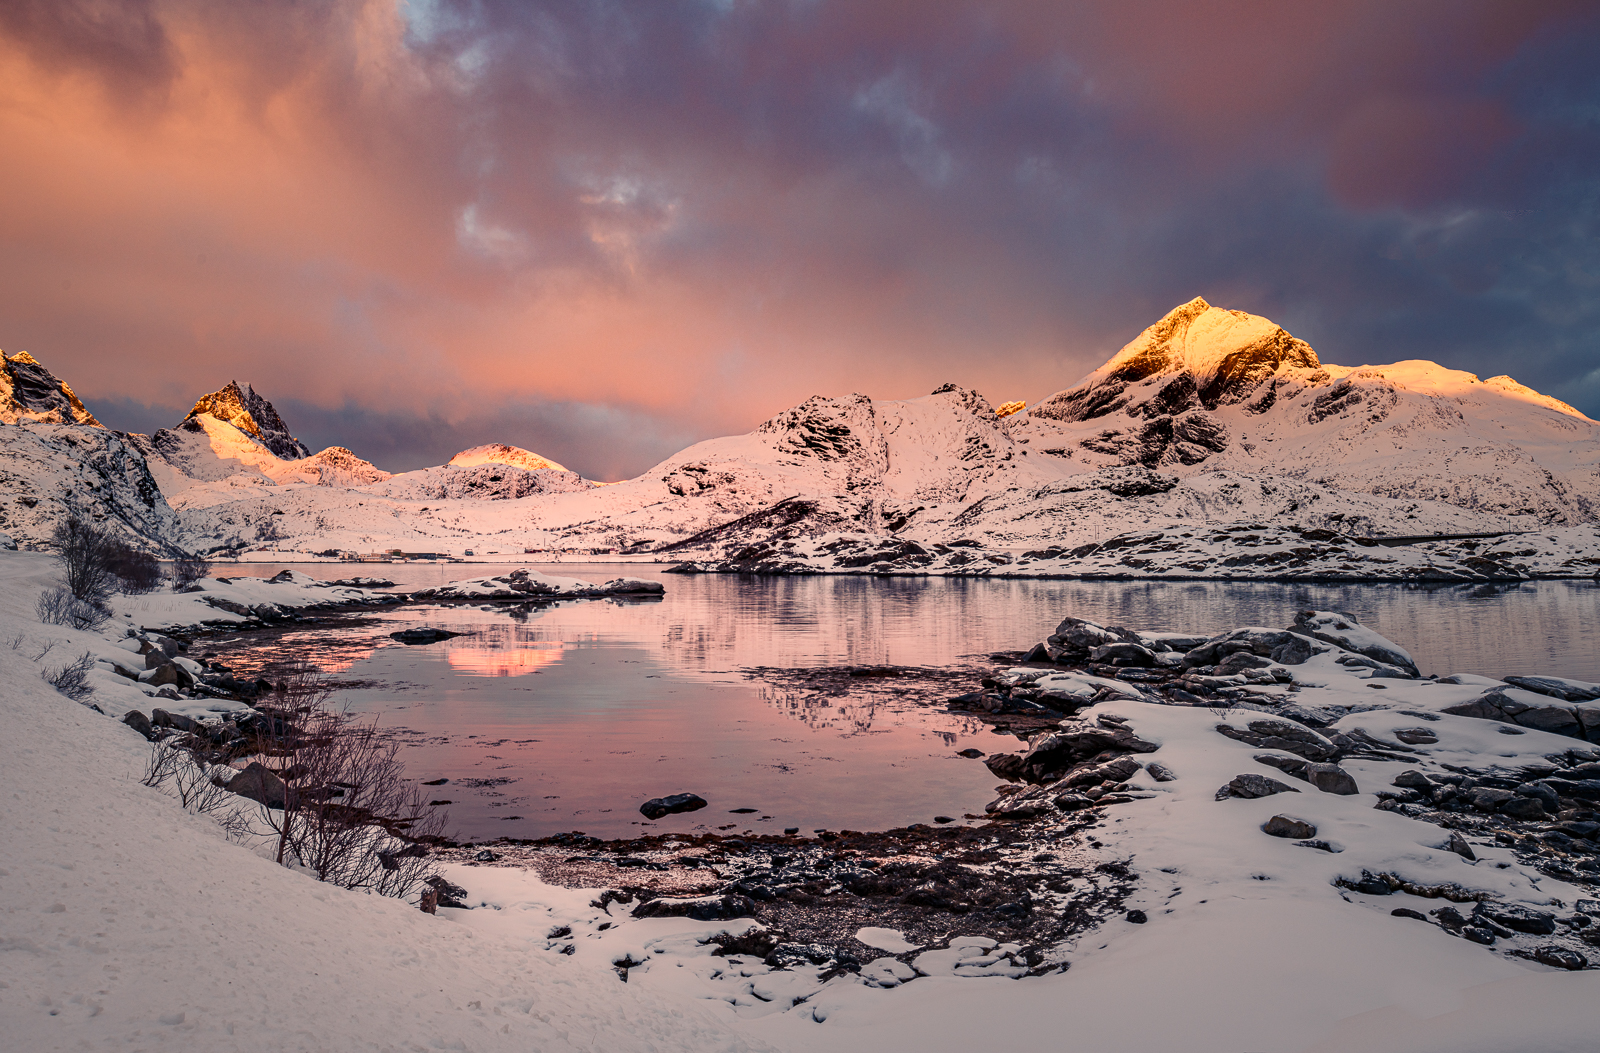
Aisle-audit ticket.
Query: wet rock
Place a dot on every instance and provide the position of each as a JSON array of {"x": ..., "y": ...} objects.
[
  {"x": 1288, "y": 826},
  {"x": 1005, "y": 765},
  {"x": 699, "y": 908},
  {"x": 1074, "y": 638},
  {"x": 1330, "y": 778},
  {"x": 1250, "y": 785},
  {"x": 970, "y": 754},
  {"x": 139, "y": 722},
  {"x": 422, "y": 635},
  {"x": 657, "y": 807}
]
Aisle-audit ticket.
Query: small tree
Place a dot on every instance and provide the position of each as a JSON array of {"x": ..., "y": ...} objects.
[
  {"x": 137, "y": 571},
  {"x": 188, "y": 570},
  {"x": 349, "y": 815},
  {"x": 83, "y": 552}
]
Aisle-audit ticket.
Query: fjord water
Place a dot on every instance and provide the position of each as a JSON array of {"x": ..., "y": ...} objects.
[{"x": 571, "y": 716}]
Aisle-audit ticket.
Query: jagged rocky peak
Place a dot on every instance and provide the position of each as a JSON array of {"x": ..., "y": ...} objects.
[
  {"x": 253, "y": 415},
  {"x": 1197, "y": 356},
  {"x": 30, "y": 392},
  {"x": 337, "y": 466},
  {"x": 500, "y": 453}
]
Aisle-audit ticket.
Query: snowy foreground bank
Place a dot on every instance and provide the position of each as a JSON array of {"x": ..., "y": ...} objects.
[{"x": 131, "y": 924}]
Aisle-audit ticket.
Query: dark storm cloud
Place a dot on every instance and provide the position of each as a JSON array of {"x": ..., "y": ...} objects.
[{"x": 696, "y": 213}]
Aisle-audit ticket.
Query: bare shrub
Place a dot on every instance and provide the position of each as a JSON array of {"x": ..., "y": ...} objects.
[
  {"x": 349, "y": 815},
  {"x": 188, "y": 570},
  {"x": 176, "y": 768},
  {"x": 58, "y": 606},
  {"x": 83, "y": 552},
  {"x": 72, "y": 679},
  {"x": 136, "y": 571}
]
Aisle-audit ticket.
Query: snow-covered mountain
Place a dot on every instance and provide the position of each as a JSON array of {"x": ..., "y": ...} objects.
[
  {"x": 57, "y": 461},
  {"x": 1210, "y": 425},
  {"x": 500, "y": 453},
  {"x": 30, "y": 392},
  {"x": 253, "y": 415}
]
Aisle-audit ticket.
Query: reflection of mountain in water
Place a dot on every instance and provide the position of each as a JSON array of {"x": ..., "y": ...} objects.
[{"x": 517, "y": 658}]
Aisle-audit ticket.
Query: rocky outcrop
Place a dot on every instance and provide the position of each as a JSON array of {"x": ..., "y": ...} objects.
[
  {"x": 30, "y": 392},
  {"x": 253, "y": 415}
]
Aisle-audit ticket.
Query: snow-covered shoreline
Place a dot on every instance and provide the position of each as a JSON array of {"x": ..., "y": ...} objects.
[{"x": 130, "y": 921}]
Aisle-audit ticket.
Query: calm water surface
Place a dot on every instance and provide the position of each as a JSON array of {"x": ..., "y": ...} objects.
[{"x": 569, "y": 717}]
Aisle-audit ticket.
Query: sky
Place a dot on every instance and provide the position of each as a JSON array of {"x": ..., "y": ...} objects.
[{"x": 603, "y": 230}]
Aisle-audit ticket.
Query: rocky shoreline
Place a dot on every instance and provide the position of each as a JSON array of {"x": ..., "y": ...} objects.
[
  {"x": 1231, "y": 552},
  {"x": 1012, "y": 895},
  {"x": 1035, "y": 876}
]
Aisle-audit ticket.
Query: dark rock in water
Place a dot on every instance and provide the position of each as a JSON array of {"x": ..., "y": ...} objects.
[
  {"x": 657, "y": 807},
  {"x": 1556, "y": 957},
  {"x": 1516, "y": 918},
  {"x": 1005, "y": 765},
  {"x": 1138, "y": 917},
  {"x": 1330, "y": 778},
  {"x": 259, "y": 784},
  {"x": 1288, "y": 826},
  {"x": 740, "y": 811},
  {"x": 1073, "y": 802},
  {"x": 424, "y": 635},
  {"x": 1407, "y": 912},
  {"x": 970, "y": 754},
  {"x": 1250, "y": 785},
  {"x": 942, "y": 819},
  {"x": 1556, "y": 687},
  {"x": 700, "y": 908}
]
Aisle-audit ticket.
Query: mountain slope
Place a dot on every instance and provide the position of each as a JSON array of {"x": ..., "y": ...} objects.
[{"x": 1206, "y": 389}]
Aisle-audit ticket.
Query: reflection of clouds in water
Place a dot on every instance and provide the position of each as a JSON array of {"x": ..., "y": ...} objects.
[{"x": 517, "y": 660}]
